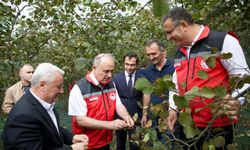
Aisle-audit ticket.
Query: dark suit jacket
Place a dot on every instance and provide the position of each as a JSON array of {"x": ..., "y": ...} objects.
[
  {"x": 129, "y": 101},
  {"x": 29, "y": 127}
]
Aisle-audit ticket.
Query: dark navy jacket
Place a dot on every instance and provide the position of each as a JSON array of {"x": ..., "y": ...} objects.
[
  {"x": 129, "y": 101},
  {"x": 152, "y": 73}
]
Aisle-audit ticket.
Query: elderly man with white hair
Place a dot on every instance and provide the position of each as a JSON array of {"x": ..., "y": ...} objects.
[
  {"x": 93, "y": 102},
  {"x": 33, "y": 123}
]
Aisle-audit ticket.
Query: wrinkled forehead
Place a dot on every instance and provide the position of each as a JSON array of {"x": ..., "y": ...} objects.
[
  {"x": 152, "y": 48},
  {"x": 106, "y": 64}
]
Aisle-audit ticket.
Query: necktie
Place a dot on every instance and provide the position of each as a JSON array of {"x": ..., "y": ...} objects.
[{"x": 130, "y": 86}]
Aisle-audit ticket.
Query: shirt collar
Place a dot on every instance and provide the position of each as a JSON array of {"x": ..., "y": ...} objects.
[
  {"x": 127, "y": 74},
  {"x": 198, "y": 34},
  {"x": 92, "y": 77},
  {"x": 46, "y": 105},
  {"x": 153, "y": 66}
]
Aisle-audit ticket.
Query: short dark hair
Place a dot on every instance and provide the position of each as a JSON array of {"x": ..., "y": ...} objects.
[
  {"x": 160, "y": 45},
  {"x": 177, "y": 14},
  {"x": 130, "y": 55},
  {"x": 22, "y": 65}
]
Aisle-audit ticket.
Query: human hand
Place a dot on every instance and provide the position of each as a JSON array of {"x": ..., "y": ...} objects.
[
  {"x": 171, "y": 119},
  {"x": 144, "y": 120},
  {"x": 80, "y": 138},
  {"x": 129, "y": 121},
  {"x": 80, "y": 146},
  {"x": 116, "y": 124},
  {"x": 230, "y": 106}
]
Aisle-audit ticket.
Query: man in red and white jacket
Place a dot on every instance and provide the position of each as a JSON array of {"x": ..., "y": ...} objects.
[
  {"x": 194, "y": 42},
  {"x": 93, "y": 102}
]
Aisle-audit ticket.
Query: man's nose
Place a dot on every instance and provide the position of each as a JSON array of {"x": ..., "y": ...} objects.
[
  {"x": 151, "y": 57},
  {"x": 169, "y": 36},
  {"x": 61, "y": 90},
  {"x": 109, "y": 74}
]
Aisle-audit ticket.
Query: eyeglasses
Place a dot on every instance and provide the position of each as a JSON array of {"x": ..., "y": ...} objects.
[{"x": 169, "y": 32}]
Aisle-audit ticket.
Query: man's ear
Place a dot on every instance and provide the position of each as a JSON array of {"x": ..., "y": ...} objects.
[
  {"x": 42, "y": 84},
  {"x": 184, "y": 24},
  {"x": 93, "y": 67}
]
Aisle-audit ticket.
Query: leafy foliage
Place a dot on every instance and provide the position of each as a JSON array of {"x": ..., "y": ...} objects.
[
  {"x": 70, "y": 33},
  {"x": 195, "y": 94}
]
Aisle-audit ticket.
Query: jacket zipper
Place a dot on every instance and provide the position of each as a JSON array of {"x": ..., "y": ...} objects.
[
  {"x": 105, "y": 113},
  {"x": 193, "y": 67},
  {"x": 186, "y": 89}
]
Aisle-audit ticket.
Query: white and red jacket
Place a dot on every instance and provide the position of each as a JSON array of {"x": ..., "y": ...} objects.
[
  {"x": 89, "y": 98},
  {"x": 190, "y": 60}
]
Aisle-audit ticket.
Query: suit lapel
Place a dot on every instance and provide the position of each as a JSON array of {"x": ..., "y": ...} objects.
[
  {"x": 43, "y": 112},
  {"x": 125, "y": 84}
]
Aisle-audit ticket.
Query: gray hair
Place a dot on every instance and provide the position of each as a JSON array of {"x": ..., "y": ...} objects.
[
  {"x": 97, "y": 60},
  {"x": 45, "y": 72}
]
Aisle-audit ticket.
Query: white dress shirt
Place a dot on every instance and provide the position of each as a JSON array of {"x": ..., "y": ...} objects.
[
  {"x": 48, "y": 107},
  {"x": 127, "y": 78}
]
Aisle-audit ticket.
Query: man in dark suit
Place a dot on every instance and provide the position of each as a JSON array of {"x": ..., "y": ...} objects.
[
  {"x": 124, "y": 82},
  {"x": 33, "y": 123}
]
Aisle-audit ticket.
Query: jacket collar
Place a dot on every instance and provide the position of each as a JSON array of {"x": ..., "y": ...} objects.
[
  {"x": 204, "y": 34},
  {"x": 92, "y": 79}
]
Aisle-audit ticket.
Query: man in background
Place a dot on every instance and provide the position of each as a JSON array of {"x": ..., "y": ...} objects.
[
  {"x": 33, "y": 122},
  {"x": 93, "y": 102},
  {"x": 124, "y": 82},
  {"x": 16, "y": 91},
  {"x": 159, "y": 67}
]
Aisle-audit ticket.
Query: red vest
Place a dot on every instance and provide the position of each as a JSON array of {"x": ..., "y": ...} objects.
[
  {"x": 101, "y": 105},
  {"x": 187, "y": 74}
]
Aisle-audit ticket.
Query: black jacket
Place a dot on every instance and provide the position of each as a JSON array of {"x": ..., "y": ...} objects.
[{"x": 30, "y": 127}]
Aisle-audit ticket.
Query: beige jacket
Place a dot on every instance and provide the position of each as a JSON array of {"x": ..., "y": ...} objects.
[{"x": 12, "y": 95}]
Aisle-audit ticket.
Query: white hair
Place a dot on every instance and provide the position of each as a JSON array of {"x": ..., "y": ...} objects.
[
  {"x": 97, "y": 60},
  {"x": 45, "y": 72}
]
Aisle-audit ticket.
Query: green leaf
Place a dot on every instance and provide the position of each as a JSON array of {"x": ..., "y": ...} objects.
[
  {"x": 193, "y": 91},
  {"x": 153, "y": 134},
  {"x": 220, "y": 91},
  {"x": 144, "y": 85},
  {"x": 189, "y": 97},
  {"x": 233, "y": 80},
  {"x": 211, "y": 62},
  {"x": 191, "y": 131},
  {"x": 231, "y": 147},
  {"x": 214, "y": 50},
  {"x": 226, "y": 55},
  {"x": 183, "y": 85},
  {"x": 160, "y": 7},
  {"x": 202, "y": 74},
  {"x": 146, "y": 138},
  {"x": 167, "y": 78},
  {"x": 160, "y": 87},
  {"x": 180, "y": 102},
  {"x": 185, "y": 119},
  {"x": 246, "y": 79},
  {"x": 211, "y": 147},
  {"x": 206, "y": 92},
  {"x": 157, "y": 144},
  {"x": 219, "y": 141}
]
